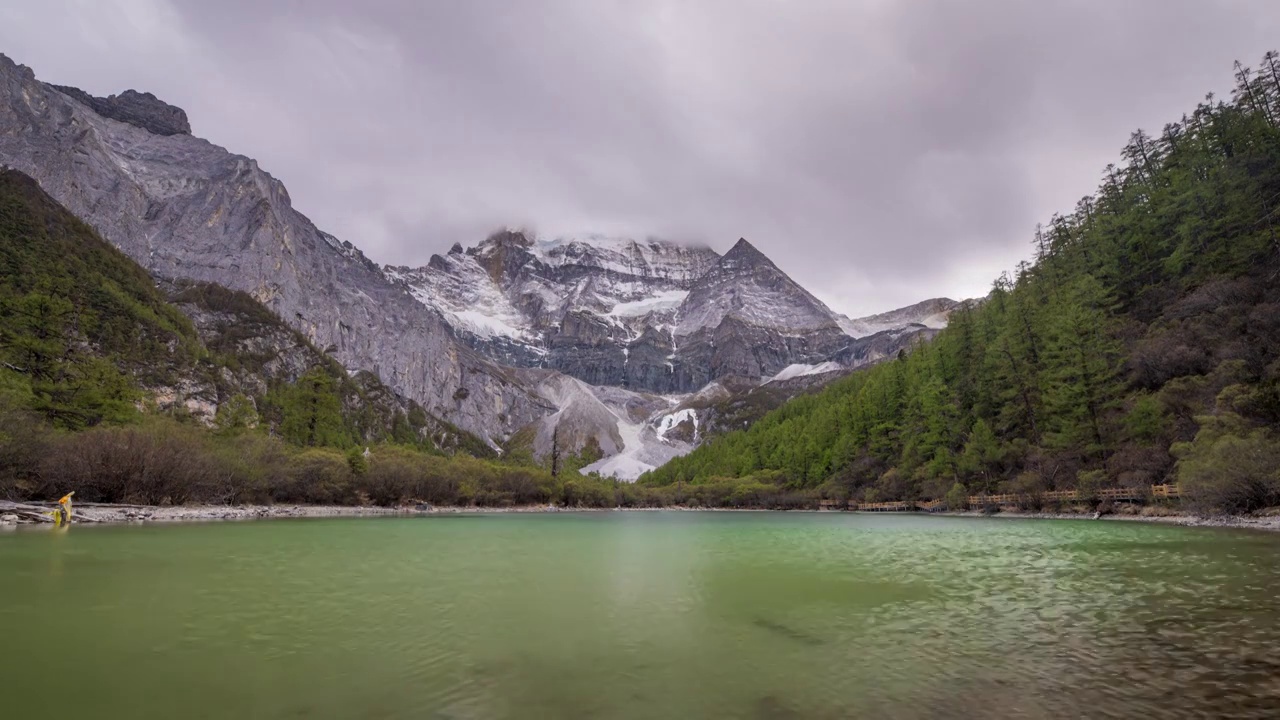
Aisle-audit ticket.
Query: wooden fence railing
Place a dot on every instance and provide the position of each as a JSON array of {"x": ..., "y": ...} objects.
[{"x": 1158, "y": 491}]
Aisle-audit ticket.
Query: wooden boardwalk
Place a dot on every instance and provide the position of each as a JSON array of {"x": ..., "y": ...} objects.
[{"x": 978, "y": 501}]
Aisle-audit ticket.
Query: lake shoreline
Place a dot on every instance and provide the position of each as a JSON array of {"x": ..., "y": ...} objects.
[
  {"x": 105, "y": 513},
  {"x": 14, "y": 514},
  {"x": 1238, "y": 522}
]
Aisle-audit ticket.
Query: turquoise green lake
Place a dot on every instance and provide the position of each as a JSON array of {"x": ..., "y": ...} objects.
[{"x": 640, "y": 615}]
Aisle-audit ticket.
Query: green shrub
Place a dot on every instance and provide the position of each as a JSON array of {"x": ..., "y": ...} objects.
[
  {"x": 236, "y": 414},
  {"x": 586, "y": 492},
  {"x": 320, "y": 476},
  {"x": 1088, "y": 483},
  {"x": 158, "y": 462},
  {"x": 392, "y": 476},
  {"x": 1147, "y": 421},
  {"x": 253, "y": 467},
  {"x": 1230, "y": 467}
]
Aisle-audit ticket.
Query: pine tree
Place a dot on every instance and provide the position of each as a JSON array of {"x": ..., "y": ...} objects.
[
  {"x": 235, "y": 415},
  {"x": 555, "y": 451},
  {"x": 1013, "y": 359},
  {"x": 981, "y": 454},
  {"x": 1081, "y": 382},
  {"x": 312, "y": 411}
]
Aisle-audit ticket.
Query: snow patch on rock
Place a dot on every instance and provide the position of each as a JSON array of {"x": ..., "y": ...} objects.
[
  {"x": 663, "y": 300},
  {"x": 800, "y": 370},
  {"x": 932, "y": 314},
  {"x": 483, "y": 325},
  {"x": 645, "y": 443},
  {"x": 669, "y": 422},
  {"x": 628, "y": 464},
  {"x": 460, "y": 288}
]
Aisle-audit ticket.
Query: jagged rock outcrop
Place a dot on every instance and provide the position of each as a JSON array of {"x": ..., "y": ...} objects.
[
  {"x": 599, "y": 309},
  {"x": 233, "y": 325},
  {"x": 932, "y": 314},
  {"x": 140, "y": 109},
  {"x": 185, "y": 208},
  {"x": 746, "y": 317},
  {"x": 883, "y": 345},
  {"x": 651, "y": 316}
]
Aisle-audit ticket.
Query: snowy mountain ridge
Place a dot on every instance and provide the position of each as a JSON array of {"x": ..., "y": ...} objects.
[
  {"x": 932, "y": 314},
  {"x": 649, "y": 315},
  {"x": 565, "y": 303}
]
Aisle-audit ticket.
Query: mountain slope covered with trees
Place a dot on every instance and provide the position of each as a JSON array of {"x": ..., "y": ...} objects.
[
  {"x": 125, "y": 391},
  {"x": 1141, "y": 346}
]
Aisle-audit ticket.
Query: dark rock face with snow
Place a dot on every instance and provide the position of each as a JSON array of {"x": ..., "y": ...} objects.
[
  {"x": 932, "y": 314},
  {"x": 602, "y": 310},
  {"x": 651, "y": 316},
  {"x": 185, "y": 208},
  {"x": 745, "y": 317}
]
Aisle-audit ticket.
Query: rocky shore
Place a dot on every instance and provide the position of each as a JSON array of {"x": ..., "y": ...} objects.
[
  {"x": 13, "y": 514},
  {"x": 96, "y": 513}
]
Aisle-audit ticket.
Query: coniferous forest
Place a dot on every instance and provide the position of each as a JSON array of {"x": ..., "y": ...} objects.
[{"x": 1141, "y": 345}]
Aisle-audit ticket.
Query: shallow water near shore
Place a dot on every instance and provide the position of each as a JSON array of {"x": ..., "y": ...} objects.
[{"x": 640, "y": 615}]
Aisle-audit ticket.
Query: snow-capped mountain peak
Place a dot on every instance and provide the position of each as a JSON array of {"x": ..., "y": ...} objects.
[
  {"x": 650, "y": 315},
  {"x": 748, "y": 287},
  {"x": 932, "y": 314}
]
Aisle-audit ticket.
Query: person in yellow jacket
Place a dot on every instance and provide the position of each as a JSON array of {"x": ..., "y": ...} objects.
[{"x": 63, "y": 514}]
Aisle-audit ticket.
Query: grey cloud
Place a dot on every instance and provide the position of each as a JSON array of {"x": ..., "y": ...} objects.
[{"x": 881, "y": 152}]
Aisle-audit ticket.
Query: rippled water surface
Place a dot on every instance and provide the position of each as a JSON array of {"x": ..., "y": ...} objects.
[{"x": 640, "y": 615}]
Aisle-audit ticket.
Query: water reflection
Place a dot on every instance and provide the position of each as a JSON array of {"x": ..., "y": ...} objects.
[{"x": 640, "y": 615}]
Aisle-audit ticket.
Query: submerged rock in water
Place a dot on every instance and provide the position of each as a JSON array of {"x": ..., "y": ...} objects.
[{"x": 787, "y": 632}]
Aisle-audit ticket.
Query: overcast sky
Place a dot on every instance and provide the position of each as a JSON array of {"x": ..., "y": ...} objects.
[{"x": 880, "y": 151}]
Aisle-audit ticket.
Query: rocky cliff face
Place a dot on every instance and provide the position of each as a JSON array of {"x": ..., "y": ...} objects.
[
  {"x": 254, "y": 350},
  {"x": 745, "y": 317},
  {"x": 599, "y": 309},
  {"x": 185, "y": 208},
  {"x": 651, "y": 316},
  {"x": 142, "y": 110},
  {"x": 85, "y": 332},
  {"x": 932, "y": 314}
]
